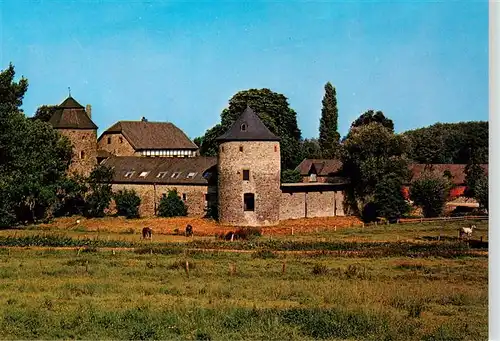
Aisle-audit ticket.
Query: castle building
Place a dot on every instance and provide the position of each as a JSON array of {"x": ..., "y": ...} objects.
[
  {"x": 72, "y": 120},
  {"x": 249, "y": 169},
  {"x": 144, "y": 138},
  {"x": 152, "y": 158}
]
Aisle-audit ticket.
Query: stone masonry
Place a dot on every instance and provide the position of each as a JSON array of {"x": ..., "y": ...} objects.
[
  {"x": 118, "y": 145},
  {"x": 151, "y": 195},
  {"x": 84, "y": 149},
  {"x": 262, "y": 159}
]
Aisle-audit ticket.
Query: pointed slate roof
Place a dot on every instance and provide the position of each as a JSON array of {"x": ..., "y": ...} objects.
[
  {"x": 248, "y": 127},
  {"x": 71, "y": 115}
]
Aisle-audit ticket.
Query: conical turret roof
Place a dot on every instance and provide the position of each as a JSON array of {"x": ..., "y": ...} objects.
[{"x": 248, "y": 127}]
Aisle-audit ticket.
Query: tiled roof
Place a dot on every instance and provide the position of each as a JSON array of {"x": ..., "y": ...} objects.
[
  {"x": 323, "y": 167},
  {"x": 147, "y": 170},
  {"x": 457, "y": 171},
  {"x": 71, "y": 115},
  {"x": 152, "y": 135},
  {"x": 328, "y": 167},
  {"x": 248, "y": 127}
]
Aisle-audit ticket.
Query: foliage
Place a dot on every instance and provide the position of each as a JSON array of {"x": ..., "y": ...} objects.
[
  {"x": 127, "y": 203},
  {"x": 100, "y": 195},
  {"x": 370, "y": 117},
  {"x": 208, "y": 146},
  {"x": 45, "y": 112},
  {"x": 172, "y": 205},
  {"x": 389, "y": 198},
  {"x": 371, "y": 152},
  {"x": 430, "y": 192},
  {"x": 71, "y": 196},
  {"x": 34, "y": 157},
  {"x": 328, "y": 125},
  {"x": 310, "y": 149},
  {"x": 481, "y": 192},
  {"x": 473, "y": 173},
  {"x": 274, "y": 111},
  {"x": 459, "y": 143},
  {"x": 290, "y": 176}
]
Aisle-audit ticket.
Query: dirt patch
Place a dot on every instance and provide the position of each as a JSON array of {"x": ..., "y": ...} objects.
[{"x": 201, "y": 227}]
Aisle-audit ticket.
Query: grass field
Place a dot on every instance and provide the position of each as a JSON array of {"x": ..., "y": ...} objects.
[{"x": 143, "y": 291}]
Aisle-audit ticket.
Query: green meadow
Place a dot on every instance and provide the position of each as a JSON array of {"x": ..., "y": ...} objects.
[{"x": 406, "y": 282}]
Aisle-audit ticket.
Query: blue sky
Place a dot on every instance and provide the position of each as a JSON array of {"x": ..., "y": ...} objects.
[{"x": 420, "y": 62}]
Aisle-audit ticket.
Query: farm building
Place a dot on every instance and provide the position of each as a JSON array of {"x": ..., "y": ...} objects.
[{"x": 243, "y": 180}]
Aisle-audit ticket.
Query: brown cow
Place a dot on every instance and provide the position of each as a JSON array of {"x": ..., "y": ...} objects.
[
  {"x": 147, "y": 233},
  {"x": 189, "y": 231}
]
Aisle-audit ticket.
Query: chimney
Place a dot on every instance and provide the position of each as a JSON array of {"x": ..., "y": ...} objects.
[{"x": 88, "y": 110}]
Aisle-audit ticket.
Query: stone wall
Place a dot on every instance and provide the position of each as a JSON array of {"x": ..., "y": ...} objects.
[
  {"x": 262, "y": 159},
  {"x": 118, "y": 145},
  {"x": 303, "y": 204},
  {"x": 151, "y": 195},
  {"x": 84, "y": 143}
]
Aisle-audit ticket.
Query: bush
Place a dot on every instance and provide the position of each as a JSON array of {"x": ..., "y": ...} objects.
[
  {"x": 127, "y": 203},
  {"x": 430, "y": 193},
  {"x": 172, "y": 205}
]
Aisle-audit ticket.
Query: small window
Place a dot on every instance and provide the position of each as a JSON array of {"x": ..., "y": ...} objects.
[
  {"x": 82, "y": 155},
  {"x": 184, "y": 196},
  {"x": 191, "y": 175},
  {"x": 313, "y": 178},
  {"x": 241, "y": 148},
  {"x": 109, "y": 140},
  {"x": 175, "y": 175},
  {"x": 161, "y": 175},
  {"x": 275, "y": 149},
  {"x": 249, "y": 202},
  {"x": 222, "y": 148},
  {"x": 246, "y": 174},
  {"x": 143, "y": 174},
  {"x": 129, "y": 174},
  {"x": 243, "y": 127},
  {"x": 120, "y": 139}
]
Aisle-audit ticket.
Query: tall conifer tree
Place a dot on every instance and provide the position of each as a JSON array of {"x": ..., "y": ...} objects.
[{"x": 328, "y": 124}]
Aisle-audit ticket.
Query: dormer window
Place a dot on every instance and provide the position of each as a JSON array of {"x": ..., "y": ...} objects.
[
  {"x": 312, "y": 177},
  {"x": 129, "y": 174},
  {"x": 161, "y": 175},
  {"x": 243, "y": 127}
]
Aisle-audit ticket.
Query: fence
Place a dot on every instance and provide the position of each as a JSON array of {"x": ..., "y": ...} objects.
[{"x": 430, "y": 220}]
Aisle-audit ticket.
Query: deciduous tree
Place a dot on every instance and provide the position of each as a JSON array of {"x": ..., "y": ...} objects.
[{"x": 274, "y": 111}]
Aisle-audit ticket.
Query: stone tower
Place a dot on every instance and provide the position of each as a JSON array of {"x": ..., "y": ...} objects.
[
  {"x": 72, "y": 121},
  {"x": 249, "y": 173}
]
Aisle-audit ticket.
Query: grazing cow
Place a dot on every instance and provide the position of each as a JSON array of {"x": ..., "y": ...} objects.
[
  {"x": 189, "y": 231},
  {"x": 466, "y": 231},
  {"x": 147, "y": 233},
  {"x": 231, "y": 236}
]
